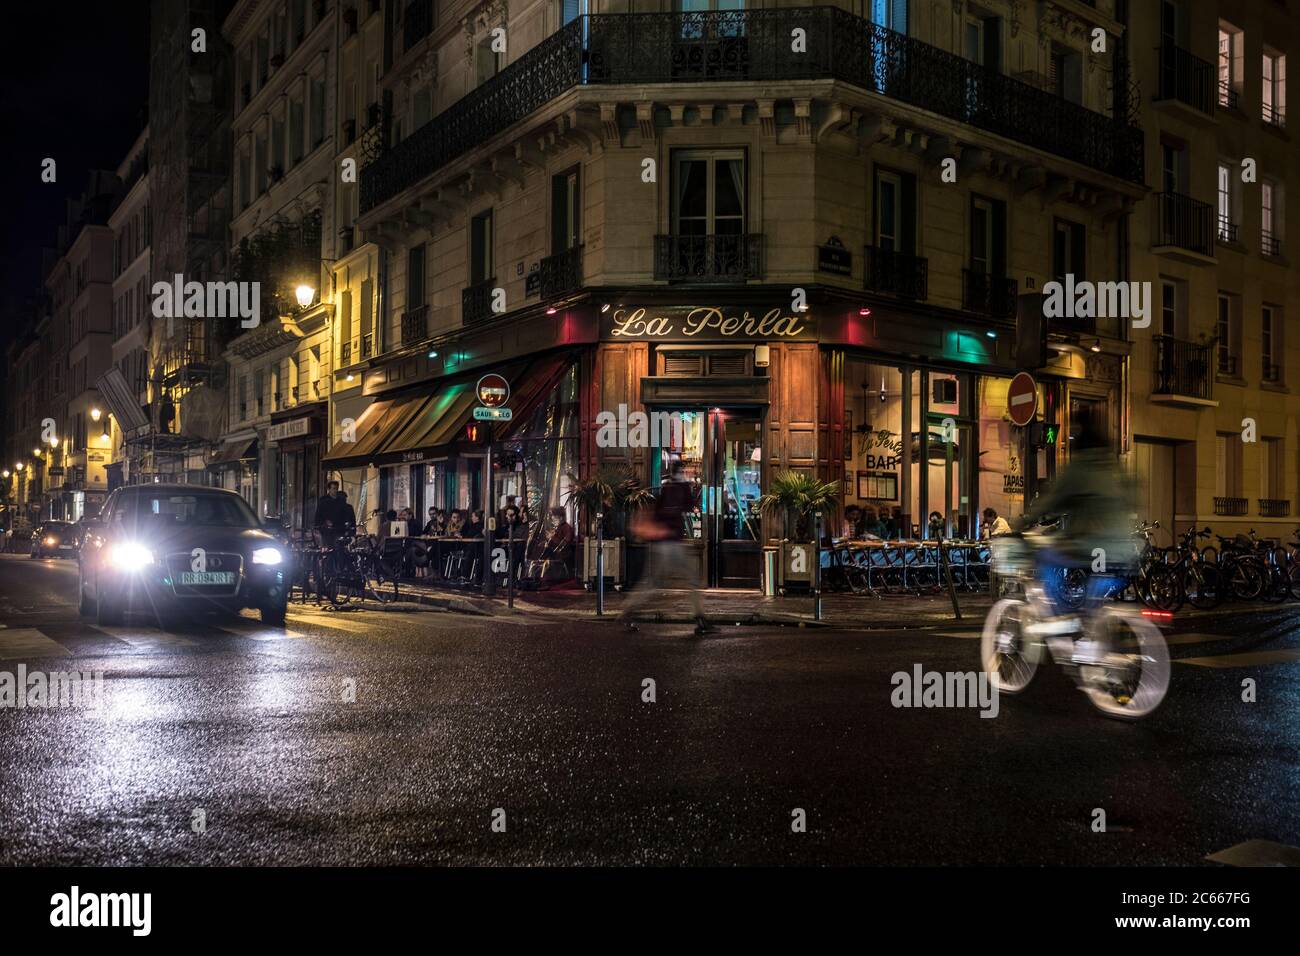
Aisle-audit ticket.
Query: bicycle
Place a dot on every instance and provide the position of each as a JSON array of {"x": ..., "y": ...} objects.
[{"x": 355, "y": 569}]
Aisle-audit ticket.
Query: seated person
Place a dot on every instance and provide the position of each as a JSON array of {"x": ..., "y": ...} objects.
[
  {"x": 994, "y": 524},
  {"x": 559, "y": 546},
  {"x": 454, "y": 524},
  {"x": 850, "y": 527},
  {"x": 474, "y": 527},
  {"x": 872, "y": 526},
  {"x": 433, "y": 527}
]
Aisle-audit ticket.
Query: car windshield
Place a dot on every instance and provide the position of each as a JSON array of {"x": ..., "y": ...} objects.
[
  {"x": 206, "y": 510},
  {"x": 56, "y": 525}
]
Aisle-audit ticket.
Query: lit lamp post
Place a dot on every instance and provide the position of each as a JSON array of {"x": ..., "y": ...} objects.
[{"x": 305, "y": 294}]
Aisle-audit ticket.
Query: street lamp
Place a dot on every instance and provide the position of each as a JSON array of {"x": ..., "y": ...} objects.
[
  {"x": 304, "y": 294},
  {"x": 95, "y": 414}
]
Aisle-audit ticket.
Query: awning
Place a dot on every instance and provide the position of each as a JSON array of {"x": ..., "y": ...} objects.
[
  {"x": 440, "y": 422},
  {"x": 374, "y": 430},
  {"x": 121, "y": 402},
  {"x": 232, "y": 452}
]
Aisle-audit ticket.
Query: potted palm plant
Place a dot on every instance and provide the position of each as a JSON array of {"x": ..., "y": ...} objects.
[
  {"x": 795, "y": 497},
  {"x": 613, "y": 493}
]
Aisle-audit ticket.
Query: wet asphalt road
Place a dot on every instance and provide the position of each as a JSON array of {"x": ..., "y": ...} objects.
[{"x": 458, "y": 715}]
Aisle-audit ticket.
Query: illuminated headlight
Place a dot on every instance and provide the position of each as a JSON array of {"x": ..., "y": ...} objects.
[
  {"x": 130, "y": 557},
  {"x": 51, "y": 541},
  {"x": 267, "y": 556}
]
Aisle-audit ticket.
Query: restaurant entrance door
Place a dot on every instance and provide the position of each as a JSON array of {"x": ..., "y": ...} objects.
[{"x": 721, "y": 454}]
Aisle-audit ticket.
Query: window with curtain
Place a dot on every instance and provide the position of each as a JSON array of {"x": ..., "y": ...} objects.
[
  {"x": 709, "y": 193},
  {"x": 481, "y": 266}
]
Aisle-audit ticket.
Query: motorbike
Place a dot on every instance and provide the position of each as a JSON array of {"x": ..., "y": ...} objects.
[{"x": 1117, "y": 657}]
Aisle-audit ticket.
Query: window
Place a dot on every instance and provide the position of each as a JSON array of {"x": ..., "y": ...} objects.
[
  {"x": 345, "y": 319},
  {"x": 1069, "y": 245},
  {"x": 895, "y": 211},
  {"x": 1225, "y": 337},
  {"x": 277, "y": 145},
  {"x": 570, "y": 10},
  {"x": 566, "y": 212},
  {"x": 988, "y": 236},
  {"x": 317, "y": 112},
  {"x": 422, "y": 106},
  {"x": 1274, "y": 88},
  {"x": 1173, "y": 166},
  {"x": 1168, "y": 308},
  {"x": 259, "y": 165},
  {"x": 1227, "y": 464},
  {"x": 1270, "y": 244},
  {"x": 415, "y": 258},
  {"x": 1272, "y": 484},
  {"x": 1065, "y": 73},
  {"x": 367, "y": 305},
  {"x": 481, "y": 267},
  {"x": 1270, "y": 346},
  {"x": 709, "y": 193},
  {"x": 891, "y": 14},
  {"x": 295, "y": 132},
  {"x": 982, "y": 41},
  {"x": 1229, "y": 65},
  {"x": 1227, "y": 209}
]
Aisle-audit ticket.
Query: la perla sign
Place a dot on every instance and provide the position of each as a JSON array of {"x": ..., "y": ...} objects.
[{"x": 707, "y": 322}]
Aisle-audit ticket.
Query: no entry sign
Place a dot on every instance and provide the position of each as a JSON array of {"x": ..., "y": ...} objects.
[
  {"x": 493, "y": 390},
  {"x": 1022, "y": 399}
]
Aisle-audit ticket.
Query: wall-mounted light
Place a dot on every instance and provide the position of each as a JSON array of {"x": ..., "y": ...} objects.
[
  {"x": 605, "y": 307},
  {"x": 433, "y": 353},
  {"x": 991, "y": 334},
  {"x": 864, "y": 312},
  {"x": 349, "y": 377},
  {"x": 304, "y": 294},
  {"x": 95, "y": 414},
  {"x": 1096, "y": 345},
  {"x": 762, "y": 356},
  {"x": 552, "y": 310}
]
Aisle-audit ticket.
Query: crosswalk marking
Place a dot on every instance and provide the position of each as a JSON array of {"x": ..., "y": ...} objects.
[
  {"x": 146, "y": 639},
  {"x": 1258, "y": 853},
  {"x": 1172, "y": 639},
  {"x": 26, "y": 642},
  {"x": 1250, "y": 659},
  {"x": 336, "y": 622}
]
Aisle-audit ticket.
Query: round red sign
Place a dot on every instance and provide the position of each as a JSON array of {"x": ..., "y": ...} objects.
[
  {"x": 1022, "y": 399},
  {"x": 493, "y": 390}
]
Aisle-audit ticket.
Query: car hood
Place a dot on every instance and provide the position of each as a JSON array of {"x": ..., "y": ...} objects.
[{"x": 187, "y": 538}]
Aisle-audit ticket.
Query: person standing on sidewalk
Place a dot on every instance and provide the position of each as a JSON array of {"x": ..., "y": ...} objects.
[{"x": 669, "y": 563}]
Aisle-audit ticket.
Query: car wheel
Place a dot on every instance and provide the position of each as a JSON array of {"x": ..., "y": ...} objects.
[
  {"x": 274, "y": 616},
  {"x": 107, "y": 613},
  {"x": 87, "y": 605}
]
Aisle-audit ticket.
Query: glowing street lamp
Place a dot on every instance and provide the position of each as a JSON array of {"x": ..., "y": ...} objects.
[
  {"x": 304, "y": 294},
  {"x": 95, "y": 414}
]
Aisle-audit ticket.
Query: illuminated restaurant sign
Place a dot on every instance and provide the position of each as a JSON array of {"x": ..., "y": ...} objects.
[{"x": 702, "y": 323}]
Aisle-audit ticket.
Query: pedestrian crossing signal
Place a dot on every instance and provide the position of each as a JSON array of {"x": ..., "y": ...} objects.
[{"x": 471, "y": 432}]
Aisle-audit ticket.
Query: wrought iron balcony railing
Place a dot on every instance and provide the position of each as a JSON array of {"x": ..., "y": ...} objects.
[
  {"x": 415, "y": 325},
  {"x": 713, "y": 258},
  {"x": 751, "y": 46},
  {"x": 1227, "y": 96},
  {"x": 1274, "y": 507},
  {"x": 895, "y": 273},
  {"x": 1227, "y": 231},
  {"x": 1273, "y": 115},
  {"x": 1230, "y": 506},
  {"x": 990, "y": 295},
  {"x": 560, "y": 273},
  {"x": 1270, "y": 245},
  {"x": 1184, "y": 222},
  {"x": 1183, "y": 368},
  {"x": 1186, "y": 78},
  {"x": 476, "y": 301}
]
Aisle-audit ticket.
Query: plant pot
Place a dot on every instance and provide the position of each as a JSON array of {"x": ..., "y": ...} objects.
[
  {"x": 798, "y": 561},
  {"x": 613, "y": 548}
]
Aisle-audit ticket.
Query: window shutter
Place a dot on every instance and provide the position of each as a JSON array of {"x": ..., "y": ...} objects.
[
  {"x": 907, "y": 216},
  {"x": 898, "y": 15},
  {"x": 559, "y": 205},
  {"x": 998, "y": 254}
]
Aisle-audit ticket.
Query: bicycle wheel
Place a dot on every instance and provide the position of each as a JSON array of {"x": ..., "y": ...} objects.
[
  {"x": 1246, "y": 578},
  {"x": 1131, "y": 675},
  {"x": 1009, "y": 656},
  {"x": 1293, "y": 577},
  {"x": 1276, "y": 586},
  {"x": 1165, "y": 588},
  {"x": 344, "y": 589},
  {"x": 1201, "y": 585}
]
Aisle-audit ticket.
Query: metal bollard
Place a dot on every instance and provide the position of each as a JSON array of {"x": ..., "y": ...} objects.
[
  {"x": 510, "y": 565},
  {"x": 817, "y": 570},
  {"x": 600, "y": 562}
]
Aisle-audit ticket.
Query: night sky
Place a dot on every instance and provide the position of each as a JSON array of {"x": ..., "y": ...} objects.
[{"x": 75, "y": 88}]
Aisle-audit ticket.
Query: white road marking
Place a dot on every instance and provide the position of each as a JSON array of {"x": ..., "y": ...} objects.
[
  {"x": 20, "y": 643},
  {"x": 1251, "y": 659},
  {"x": 1258, "y": 853},
  {"x": 146, "y": 639}
]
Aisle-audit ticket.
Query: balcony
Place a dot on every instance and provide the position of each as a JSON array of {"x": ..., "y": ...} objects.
[
  {"x": 1232, "y": 507},
  {"x": 1227, "y": 96},
  {"x": 417, "y": 22},
  {"x": 895, "y": 273},
  {"x": 1184, "y": 223},
  {"x": 1274, "y": 507},
  {"x": 715, "y": 258},
  {"x": 747, "y": 46},
  {"x": 415, "y": 325},
  {"x": 476, "y": 301},
  {"x": 1270, "y": 245},
  {"x": 990, "y": 295},
  {"x": 1227, "y": 231},
  {"x": 560, "y": 274},
  {"x": 1183, "y": 372},
  {"x": 1186, "y": 79},
  {"x": 1273, "y": 116}
]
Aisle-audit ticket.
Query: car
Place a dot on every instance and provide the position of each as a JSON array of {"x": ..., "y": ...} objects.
[
  {"x": 177, "y": 550},
  {"x": 55, "y": 538}
]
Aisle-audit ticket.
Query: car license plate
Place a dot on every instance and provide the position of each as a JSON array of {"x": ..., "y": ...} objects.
[{"x": 207, "y": 577}]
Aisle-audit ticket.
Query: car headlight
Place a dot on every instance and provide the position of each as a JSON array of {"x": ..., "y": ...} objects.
[
  {"x": 130, "y": 556},
  {"x": 50, "y": 541},
  {"x": 267, "y": 556}
]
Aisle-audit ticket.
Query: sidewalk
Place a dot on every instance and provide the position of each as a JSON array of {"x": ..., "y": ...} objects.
[
  {"x": 722, "y": 606},
  {"x": 726, "y": 606}
]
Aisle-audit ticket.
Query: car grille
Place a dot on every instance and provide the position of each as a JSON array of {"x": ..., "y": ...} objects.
[{"x": 215, "y": 561}]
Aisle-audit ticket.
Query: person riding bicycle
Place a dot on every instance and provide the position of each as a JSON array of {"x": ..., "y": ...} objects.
[{"x": 1092, "y": 495}]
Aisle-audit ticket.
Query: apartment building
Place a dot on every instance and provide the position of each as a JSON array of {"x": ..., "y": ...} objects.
[
  {"x": 804, "y": 230},
  {"x": 281, "y": 235},
  {"x": 1215, "y": 376},
  {"x": 121, "y": 417}
]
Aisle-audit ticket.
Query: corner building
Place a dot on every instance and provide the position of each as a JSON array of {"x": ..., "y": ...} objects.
[{"x": 803, "y": 229}]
